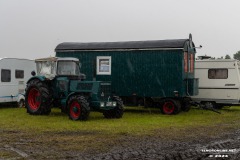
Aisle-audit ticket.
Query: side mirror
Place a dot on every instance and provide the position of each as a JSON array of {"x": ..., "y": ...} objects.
[{"x": 33, "y": 73}]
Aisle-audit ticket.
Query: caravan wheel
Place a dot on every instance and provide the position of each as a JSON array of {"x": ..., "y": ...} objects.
[
  {"x": 209, "y": 105},
  {"x": 21, "y": 103},
  {"x": 213, "y": 105}
]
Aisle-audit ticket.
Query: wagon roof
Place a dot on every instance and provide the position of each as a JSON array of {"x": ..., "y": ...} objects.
[
  {"x": 154, "y": 44},
  {"x": 56, "y": 59}
]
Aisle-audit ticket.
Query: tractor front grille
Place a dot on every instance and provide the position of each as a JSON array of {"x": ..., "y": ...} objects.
[{"x": 105, "y": 90}]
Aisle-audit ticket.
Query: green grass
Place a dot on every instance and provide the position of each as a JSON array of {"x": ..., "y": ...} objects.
[
  {"x": 98, "y": 134},
  {"x": 136, "y": 121}
]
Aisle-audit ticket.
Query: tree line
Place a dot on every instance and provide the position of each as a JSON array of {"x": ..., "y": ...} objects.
[{"x": 235, "y": 56}]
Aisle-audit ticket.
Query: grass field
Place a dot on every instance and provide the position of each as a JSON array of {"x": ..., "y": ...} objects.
[
  {"x": 135, "y": 121},
  {"x": 99, "y": 134}
]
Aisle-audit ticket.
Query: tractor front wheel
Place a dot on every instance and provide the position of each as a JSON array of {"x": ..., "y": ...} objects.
[
  {"x": 171, "y": 106},
  {"x": 38, "y": 98},
  {"x": 78, "y": 108},
  {"x": 117, "y": 112}
]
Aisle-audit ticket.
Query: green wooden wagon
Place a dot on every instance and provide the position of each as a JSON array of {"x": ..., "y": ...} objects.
[{"x": 158, "y": 72}]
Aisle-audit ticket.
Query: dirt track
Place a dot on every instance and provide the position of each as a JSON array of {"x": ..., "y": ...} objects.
[
  {"x": 149, "y": 148},
  {"x": 17, "y": 145}
]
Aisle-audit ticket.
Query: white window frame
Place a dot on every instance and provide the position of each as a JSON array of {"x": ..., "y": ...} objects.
[{"x": 98, "y": 65}]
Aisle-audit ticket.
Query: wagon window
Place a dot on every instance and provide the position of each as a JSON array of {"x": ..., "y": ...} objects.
[
  {"x": 19, "y": 74},
  {"x": 188, "y": 62},
  {"x": 217, "y": 73},
  {"x": 191, "y": 63},
  {"x": 103, "y": 65},
  {"x": 6, "y": 75},
  {"x": 185, "y": 62}
]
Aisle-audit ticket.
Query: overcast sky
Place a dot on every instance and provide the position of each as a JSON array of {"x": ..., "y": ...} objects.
[{"x": 33, "y": 28}]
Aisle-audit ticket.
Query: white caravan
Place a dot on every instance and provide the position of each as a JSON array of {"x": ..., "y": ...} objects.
[
  {"x": 13, "y": 77},
  {"x": 219, "y": 82}
]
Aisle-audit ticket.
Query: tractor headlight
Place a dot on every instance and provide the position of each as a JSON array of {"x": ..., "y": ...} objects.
[
  {"x": 114, "y": 104},
  {"x": 101, "y": 104}
]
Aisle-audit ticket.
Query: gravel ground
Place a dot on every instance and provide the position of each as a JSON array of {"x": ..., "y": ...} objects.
[{"x": 224, "y": 146}]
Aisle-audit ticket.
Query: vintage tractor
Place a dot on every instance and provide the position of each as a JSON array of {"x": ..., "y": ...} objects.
[{"x": 59, "y": 83}]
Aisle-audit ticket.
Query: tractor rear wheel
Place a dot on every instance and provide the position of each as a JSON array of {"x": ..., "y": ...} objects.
[
  {"x": 171, "y": 106},
  {"x": 78, "y": 108},
  {"x": 117, "y": 112},
  {"x": 38, "y": 98}
]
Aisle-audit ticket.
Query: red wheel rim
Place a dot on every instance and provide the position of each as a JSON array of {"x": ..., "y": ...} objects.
[
  {"x": 34, "y": 99},
  {"x": 168, "y": 107},
  {"x": 75, "y": 110}
]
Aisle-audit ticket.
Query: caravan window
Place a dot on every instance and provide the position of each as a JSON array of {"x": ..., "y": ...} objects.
[
  {"x": 217, "y": 73},
  {"x": 6, "y": 75},
  {"x": 19, "y": 74}
]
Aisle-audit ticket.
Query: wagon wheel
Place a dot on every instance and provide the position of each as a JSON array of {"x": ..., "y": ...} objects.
[
  {"x": 186, "y": 105},
  {"x": 38, "y": 98},
  {"x": 171, "y": 106},
  {"x": 78, "y": 108}
]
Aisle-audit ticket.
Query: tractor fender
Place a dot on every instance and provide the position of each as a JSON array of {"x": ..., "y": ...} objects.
[
  {"x": 73, "y": 93},
  {"x": 69, "y": 95},
  {"x": 40, "y": 78}
]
